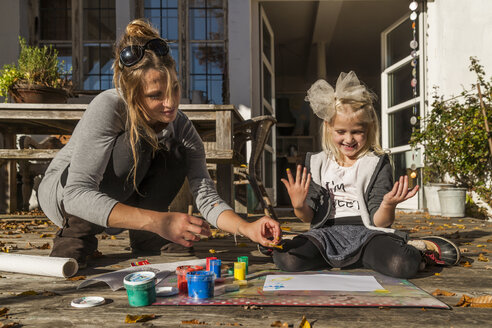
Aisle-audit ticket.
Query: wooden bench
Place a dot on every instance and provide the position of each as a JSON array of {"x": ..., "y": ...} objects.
[{"x": 48, "y": 119}]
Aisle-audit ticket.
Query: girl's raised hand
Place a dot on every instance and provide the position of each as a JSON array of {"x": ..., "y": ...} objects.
[
  {"x": 400, "y": 192},
  {"x": 297, "y": 188}
]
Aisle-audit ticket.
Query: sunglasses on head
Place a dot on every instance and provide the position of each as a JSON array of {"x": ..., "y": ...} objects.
[{"x": 131, "y": 55}]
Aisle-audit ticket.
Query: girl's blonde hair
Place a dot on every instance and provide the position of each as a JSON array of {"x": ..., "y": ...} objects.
[
  {"x": 363, "y": 110},
  {"x": 128, "y": 82}
]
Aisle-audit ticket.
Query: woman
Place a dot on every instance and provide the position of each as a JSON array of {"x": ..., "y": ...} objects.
[{"x": 127, "y": 159}]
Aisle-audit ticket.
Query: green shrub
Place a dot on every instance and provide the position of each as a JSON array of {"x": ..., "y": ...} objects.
[{"x": 455, "y": 140}]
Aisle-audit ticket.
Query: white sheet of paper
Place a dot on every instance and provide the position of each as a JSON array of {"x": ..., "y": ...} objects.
[{"x": 332, "y": 282}]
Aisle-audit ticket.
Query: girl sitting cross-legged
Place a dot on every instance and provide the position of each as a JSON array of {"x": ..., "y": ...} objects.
[{"x": 347, "y": 194}]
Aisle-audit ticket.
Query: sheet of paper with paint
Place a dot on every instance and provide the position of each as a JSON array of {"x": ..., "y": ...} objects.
[{"x": 329, "y": 282}]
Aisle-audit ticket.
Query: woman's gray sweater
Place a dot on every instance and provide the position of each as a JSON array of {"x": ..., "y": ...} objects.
[{"x": 88, "y": 152}]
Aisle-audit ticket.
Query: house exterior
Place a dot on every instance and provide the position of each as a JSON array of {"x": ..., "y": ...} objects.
[{"x": 262, "y": 56}]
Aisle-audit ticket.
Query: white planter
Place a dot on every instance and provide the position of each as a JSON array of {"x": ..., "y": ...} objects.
[
  {"x": 452, "y": 201},
  {"x": 432, "y": 197}
]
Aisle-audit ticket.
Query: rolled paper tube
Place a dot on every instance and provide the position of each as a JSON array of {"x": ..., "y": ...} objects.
[
  {"x": 39, "y": 265},
  {"x": 239, "y": 270},
  {"x": 245, "y": 260},
  {"x": 208, "y": 262},
  {"x": 215, "y": 267}
]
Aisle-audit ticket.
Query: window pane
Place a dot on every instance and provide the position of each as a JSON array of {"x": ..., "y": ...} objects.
[
  {"x": 164, "y": 17},
  {"x": 398, "y": 41},
  {"x": 207, "y": 58},
  {"x": 267, "y": 50},
  {"x": 97, "y": 63},
  {"x": 215, "y": 85},
  {"x": 399, "y": 86},
  {"x": 99, "y": 21},
  {"x": 55, "y": 19},
  {"x": 268, "y": 177},
  {"x": 267, "y": 85},
  {"x": 206, "y": 24},
  {"x": 400, "y": 127},
  {"x": 175, "y": 54},
  {"x": 402, "y": 164}
]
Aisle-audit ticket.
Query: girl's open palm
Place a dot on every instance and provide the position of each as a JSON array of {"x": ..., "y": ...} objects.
[
  {"x": 400, "y": 192},
  {"x": 297, "y": 188}
]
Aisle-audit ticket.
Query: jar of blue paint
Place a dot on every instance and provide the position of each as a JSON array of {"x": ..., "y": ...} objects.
[
  {"x": 200, "y": 284},
  {"x": 140, "y": 288},
  {"x": 215, "y": 267}
]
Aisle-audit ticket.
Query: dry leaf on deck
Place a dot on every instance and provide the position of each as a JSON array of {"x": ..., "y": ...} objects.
[
  {"x": 44, "y": 246},
  {"x": 77, "y": 278},
  {"x": 212, "y": 251},
  {"x": 484, "y": 301},
  {"x": 304, "y": 323},
  {"x": 10, "y": 325},
  {"x": 28, "y": 293},
  {"x": 3, "y": 311},
  {"x": 465, "y": 264},
  {"x": 481, "y": 245},
  {"x": 113, "y": 237},
  {"x": 489, "y": 240},
  {"x": 193, "y": 322},
  {"x": 139, "y": 318},
  {"x": 483, "y": 258},
  {"x": 276, "y": 246},
  {"x": 46, "y": 235},
  {"x": 276, "y": 324},
  {"x": 440, "y": 292},
  {"x": 286, "y": 228}
]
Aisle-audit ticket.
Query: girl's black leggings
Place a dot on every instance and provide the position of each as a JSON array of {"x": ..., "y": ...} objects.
[{"x": 383, "y": 253}]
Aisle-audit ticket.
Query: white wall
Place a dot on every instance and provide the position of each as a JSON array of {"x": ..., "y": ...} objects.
[
  {"x": 240, "y": 84},
  {"x": 457, "y": 29}
]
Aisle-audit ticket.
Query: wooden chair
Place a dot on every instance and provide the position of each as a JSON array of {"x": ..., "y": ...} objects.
[
  {"x": 257, "y": 130},
  {"x": 31, "y": 170}
]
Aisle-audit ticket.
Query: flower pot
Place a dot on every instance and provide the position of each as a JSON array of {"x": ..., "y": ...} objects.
[
  {"x": 38, "y": 94},
  {"x": 432, "y": 197},
  {"x": 452, "y": 201}
]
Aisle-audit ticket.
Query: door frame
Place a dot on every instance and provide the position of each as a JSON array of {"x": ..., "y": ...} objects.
[{"x": 417, "y": 201}]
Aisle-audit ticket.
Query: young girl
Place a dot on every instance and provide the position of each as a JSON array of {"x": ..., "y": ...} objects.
[{"x": 347, "y": 193}]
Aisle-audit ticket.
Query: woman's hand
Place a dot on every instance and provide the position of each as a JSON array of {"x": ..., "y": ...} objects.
[
  {"x": 265, "y": 231},
  {"x": 297, "y": 188},
  {"x": 180, "y": 228},
  {"x": 399, "y": 193}
]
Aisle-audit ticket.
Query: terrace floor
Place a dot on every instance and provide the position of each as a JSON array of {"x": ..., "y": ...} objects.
[{"x": 29, "y": 234}]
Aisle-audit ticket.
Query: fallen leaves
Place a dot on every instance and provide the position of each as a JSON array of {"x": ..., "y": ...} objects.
[
  {"x": 77, "y": 278},
  {"x": 44, "y": 246},
  {"x": 212, "y": 251},
  {"x": 139, "y": 318},
  {"x": 34, "y": 293},
  {"x": 440, "y": 292},
  {"x": 10, "y": 325},
  {"x": 482, "y": 258},
  {"x": 304, "y": 323},
  {"x": 478, "y": 302},
  {"x": 466, "y": 264},
  {"x": 4, "y": 311},
  {"x": 193, "y": 322}
]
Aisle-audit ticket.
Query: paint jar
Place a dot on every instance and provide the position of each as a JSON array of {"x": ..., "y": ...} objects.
[
  {"x": 208, "y": 262},
  {"x": 239, "y": 270},
  {"x": 215, "y": 267},
  {"x": 200, "y": 284},
  {"x": 140, "y": 288},
  {"x": 245, "y": 260},
  {"x": 181, "y": 272}
]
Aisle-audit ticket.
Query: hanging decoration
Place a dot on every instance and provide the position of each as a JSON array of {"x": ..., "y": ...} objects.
[{"x": 413, "y": 83}]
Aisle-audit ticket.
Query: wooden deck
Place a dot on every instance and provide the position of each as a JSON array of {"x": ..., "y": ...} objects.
[{"x": 23, "y": 235}]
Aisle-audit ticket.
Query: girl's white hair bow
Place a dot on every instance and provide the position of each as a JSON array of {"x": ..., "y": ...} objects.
[{"x": 322, "y": 97}]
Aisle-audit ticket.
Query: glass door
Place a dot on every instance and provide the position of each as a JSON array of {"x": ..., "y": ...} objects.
[
  {"x": 267, "y": 78},
  {"x": 402, "y": 104}
]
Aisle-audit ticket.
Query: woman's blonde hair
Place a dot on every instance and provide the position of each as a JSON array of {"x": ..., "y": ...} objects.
[
  {"x": 128, "y": 82},
  {"x": 363, "y": 110}
]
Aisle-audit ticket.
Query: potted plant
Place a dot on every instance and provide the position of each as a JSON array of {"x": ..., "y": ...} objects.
[
  {"x": 455, "y": 143},
  {"x": 38, "y": 76}
]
